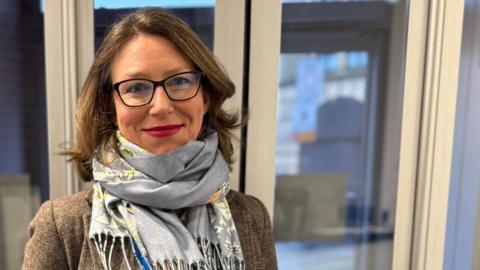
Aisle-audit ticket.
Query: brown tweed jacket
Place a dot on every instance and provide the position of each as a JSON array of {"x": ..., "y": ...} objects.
[{"x": 59, "y": 235}]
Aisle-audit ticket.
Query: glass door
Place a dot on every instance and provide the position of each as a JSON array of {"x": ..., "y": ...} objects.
[{"x": 338, "y": 123}]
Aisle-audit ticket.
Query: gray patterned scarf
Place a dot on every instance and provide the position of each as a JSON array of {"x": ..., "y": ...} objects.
[{"x": 135, "y": 197}]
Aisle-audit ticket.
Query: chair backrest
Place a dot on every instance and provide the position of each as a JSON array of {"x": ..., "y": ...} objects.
[
  {"x": 310, "y": 207},
  {"x": 19, "y": 202}
]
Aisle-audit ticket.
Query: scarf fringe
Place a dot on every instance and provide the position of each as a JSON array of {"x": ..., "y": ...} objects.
[
  {"x": 105, "y": 247},
  {"x": 215, "y": 261},
  {"x": 210, "y": 251}
]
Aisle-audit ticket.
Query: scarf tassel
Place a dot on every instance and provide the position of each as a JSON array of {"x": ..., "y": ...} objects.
[
  {"x": 105, "y": 246},
  {"x": 105, "y": 242},
  {"x": 215, "y": 261}
]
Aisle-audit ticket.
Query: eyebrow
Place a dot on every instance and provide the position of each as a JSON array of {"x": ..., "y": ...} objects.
[{"x": 140, "y": 74}]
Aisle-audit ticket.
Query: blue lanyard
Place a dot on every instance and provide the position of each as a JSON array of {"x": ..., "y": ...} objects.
[{"x": 140, "y": 257}]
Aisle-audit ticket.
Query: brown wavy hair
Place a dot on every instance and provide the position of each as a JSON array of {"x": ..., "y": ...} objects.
[{"x": 95, "y": 114}]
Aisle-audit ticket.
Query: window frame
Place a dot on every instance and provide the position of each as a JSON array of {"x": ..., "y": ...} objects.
[{"x": 67, "y": 62}]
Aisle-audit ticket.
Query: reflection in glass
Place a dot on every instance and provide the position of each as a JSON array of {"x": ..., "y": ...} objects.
[
  {"x": 199, "y": 15},
  {"x": 321, "y": 98},
  {"x": 336, "y": 152}
]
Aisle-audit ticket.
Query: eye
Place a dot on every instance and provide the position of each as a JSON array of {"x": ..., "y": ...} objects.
[
  {"x": 183, "y": 80},
  {"x": 135, "y": 87}
]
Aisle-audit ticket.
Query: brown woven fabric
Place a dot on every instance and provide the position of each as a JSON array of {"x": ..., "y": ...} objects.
[{"x": 59, "y": 235}]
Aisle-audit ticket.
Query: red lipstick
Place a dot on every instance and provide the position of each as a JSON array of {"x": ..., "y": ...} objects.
[{"x": 163, "y": 131}]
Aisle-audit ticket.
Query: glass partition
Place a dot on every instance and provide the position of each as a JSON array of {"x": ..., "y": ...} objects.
[{"x": 338, "y": 125}]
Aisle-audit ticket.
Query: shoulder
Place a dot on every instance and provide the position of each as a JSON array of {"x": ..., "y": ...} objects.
[
  {"x": 72, "y": 206},
  {"x": 64, "y": 209},
  {"x": 67, "y": 214},
  {"x": 253, "y": 225},
  {"x": 243, "y": 202},
  {"x": 247, "y": 208},
  {"x": 71, "y": 215},
  {"x": 57, "y": 232}
]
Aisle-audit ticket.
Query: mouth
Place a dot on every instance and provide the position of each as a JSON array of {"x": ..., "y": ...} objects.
[{"x": 163, "y": 131}]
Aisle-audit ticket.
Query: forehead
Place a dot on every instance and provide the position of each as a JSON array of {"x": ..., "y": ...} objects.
[{"x": 148, "y": 56}]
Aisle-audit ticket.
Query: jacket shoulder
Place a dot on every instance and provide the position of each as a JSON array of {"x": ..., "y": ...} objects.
[
  {"x": 254, "y": 229},
  {"x": 247, "y": 204},
  {"x": 56, "y": 233},
  {"x": 71, "y": 207},
  {"x": 71, "y": 215},
  {"x": 249, "y": 208}
]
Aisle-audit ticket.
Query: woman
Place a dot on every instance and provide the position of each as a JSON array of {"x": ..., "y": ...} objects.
[{"x": 153, "y": 137}]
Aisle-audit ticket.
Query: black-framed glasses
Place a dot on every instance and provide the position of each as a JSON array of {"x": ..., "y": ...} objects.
[{"x": 178, "y": 87}]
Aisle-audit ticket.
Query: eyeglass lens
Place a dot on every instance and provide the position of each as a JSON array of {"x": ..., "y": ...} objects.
[{"x": 178, "y": 87}]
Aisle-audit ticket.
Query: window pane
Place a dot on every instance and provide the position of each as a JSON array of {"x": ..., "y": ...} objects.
[
  {"x": 23, "y": 126},
  {"x": 338, "y": 125},
  {"x": 462, "y": 243},
  {"x": 199, "y": 15}
]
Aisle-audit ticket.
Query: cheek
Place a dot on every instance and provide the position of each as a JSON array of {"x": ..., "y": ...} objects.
[
  {"x": 125, "y": 118},
  {"x": 196, "y": 115},
  {"x": 128, "y": 121},
  {"x": 196, "y": 118}
]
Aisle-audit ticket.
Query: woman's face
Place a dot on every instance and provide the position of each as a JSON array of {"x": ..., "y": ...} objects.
[{"x": 162, "y": 125}]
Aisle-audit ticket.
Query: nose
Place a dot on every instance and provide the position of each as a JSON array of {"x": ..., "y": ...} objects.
[{"x": 160, "y": 103}]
